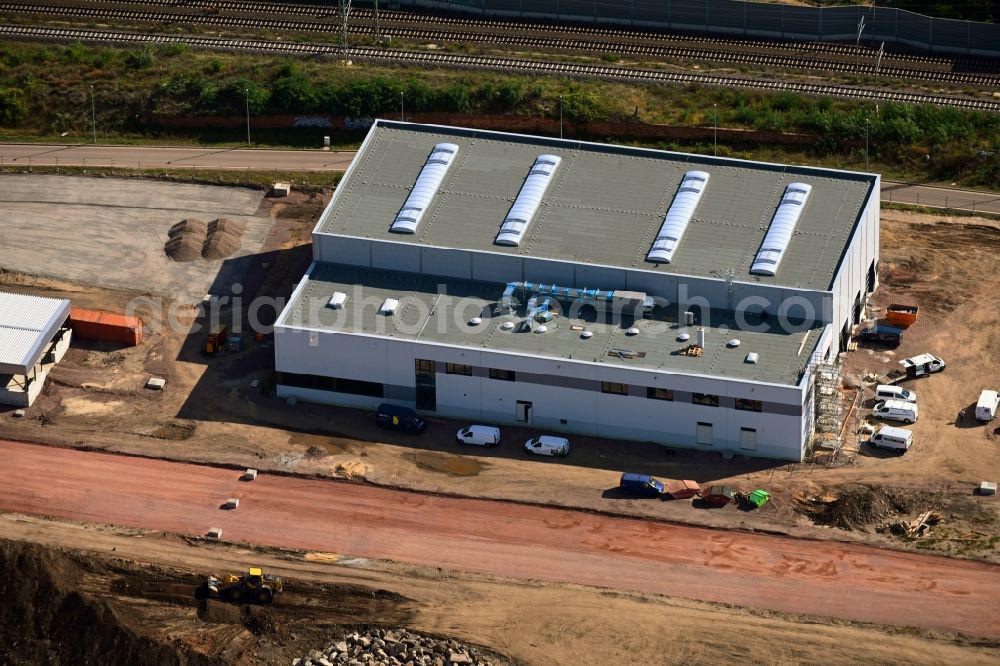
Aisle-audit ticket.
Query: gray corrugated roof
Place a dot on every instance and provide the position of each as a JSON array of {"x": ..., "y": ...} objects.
[
  {"x": 604, "y": 206},
  {"x": 27, "y": 323},
  {"x": 427, "y": 314}
]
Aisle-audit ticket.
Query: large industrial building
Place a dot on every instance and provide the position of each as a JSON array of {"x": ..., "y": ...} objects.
[
  {"x": 582, "y": 288},
  {"x": 34, "y": 336}
]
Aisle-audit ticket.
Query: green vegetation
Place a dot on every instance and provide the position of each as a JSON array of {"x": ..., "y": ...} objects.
[{"x": 47, "y": 90}]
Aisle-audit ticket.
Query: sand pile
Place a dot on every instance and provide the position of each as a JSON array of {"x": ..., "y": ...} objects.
[
  {"x": 223, "y": 238},
  {"x": 193, "y": 239},
  {"x": 186, "y": 240}
]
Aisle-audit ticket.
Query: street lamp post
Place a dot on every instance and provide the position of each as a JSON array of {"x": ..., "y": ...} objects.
[
  {"x": 402, "y": 117},
  {"x": 715, "y": 129},
  {"x": 560, "y": 117},
  {"x": 93, "y": 111},
  {"x": 867, "y": 118},
  {"x": 247, "y": 91}
]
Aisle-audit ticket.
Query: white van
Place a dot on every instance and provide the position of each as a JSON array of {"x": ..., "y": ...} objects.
[
  {"x": 479, "y": 435},
  {"x": 987, "y": 406},
  {"x": 896, "y": 410},
  {"x": 889, "y": 392},
  {"x": 892, "y": 439},
  {"x": 547, "y": 445}
]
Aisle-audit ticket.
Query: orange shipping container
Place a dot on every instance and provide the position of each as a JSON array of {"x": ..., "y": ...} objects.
[{"x": 106, "y": 326}]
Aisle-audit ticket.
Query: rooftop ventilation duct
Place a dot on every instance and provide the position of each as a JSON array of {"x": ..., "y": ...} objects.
[
  {"x": 678, "y": 217},
  {"x": 528, "y": 200},
  {"x": 779, "y": 234},
  {"x": 428, "y": 183}
]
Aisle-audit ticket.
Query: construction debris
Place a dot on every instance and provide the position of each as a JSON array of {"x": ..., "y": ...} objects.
[
  {"x": 396, "y": 647},
  {"x": 856, "y": 506},
  {"x": 917, "y": 527}
]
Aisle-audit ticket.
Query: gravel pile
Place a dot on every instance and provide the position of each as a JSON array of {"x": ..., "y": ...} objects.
[
  {"x": 397, "y": 647},
  {"x": 223, "y": 239},
  {"x": 186, "y": 240},
  {"x": 193, "y": 239}
]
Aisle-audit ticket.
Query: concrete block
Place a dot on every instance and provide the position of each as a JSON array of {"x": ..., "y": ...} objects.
[
  {"x": 231, "y": 503},
  {"x": 988, "y": 488},
  {"x": 250, "y": 474},
  {"x": 156, "y": 383},
  {"x": 214, "y": 533},
  {"x": 18, "y": 413}
]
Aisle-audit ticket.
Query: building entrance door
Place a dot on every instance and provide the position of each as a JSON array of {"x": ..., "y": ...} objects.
[
  {"x": 426, "y": 383},
  {"x": 748, "y": 439},
  {"x": 704, "y": 433},
  {"x": 523, "y": 412}
]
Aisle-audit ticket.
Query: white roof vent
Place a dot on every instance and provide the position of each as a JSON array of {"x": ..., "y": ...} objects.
[
  {"x": 507, "y": 326},
  {"x": 779, "y": 234},
  {"x": 632, "y": 331},
  {"x": 735, "y": 342},
  {"x": 683, "y": 337},
  {"x": 389, "y": 306},
  {"x": 752, "y": 357},
  {"x": 528, "y": 200},
  {"x": 337, "y": 300},
  {"x": 541, "y": 329},
  {"x": 678, "y": 217},
  {"x": 428, "y": 183},
  {"x": 475, "y": 321},
  {"x": 586, "y": 335}
]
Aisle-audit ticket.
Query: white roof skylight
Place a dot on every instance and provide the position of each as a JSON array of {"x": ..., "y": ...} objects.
[
  {"x": 779, "y": 234},
  {"x": 528, "y": 200},
  {"x": 389, "y": 306},
  {"x": 678, "y": 217},
  {"x": 428, "y": 183}
]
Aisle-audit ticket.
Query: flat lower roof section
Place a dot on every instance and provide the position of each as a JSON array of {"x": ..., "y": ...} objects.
[
  {"x": 604, "y": 205},
  {"x": 27, "y": 324},
  {"x": 439, "y": 310}
]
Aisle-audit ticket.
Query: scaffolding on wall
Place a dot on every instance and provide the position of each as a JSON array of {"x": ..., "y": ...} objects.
[{"x": 828, "y": 405}]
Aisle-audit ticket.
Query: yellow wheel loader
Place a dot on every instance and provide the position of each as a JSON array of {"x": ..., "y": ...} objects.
[{"x": 254, "y": 586}]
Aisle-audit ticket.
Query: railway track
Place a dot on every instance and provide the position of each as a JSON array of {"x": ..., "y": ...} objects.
[
  {"x": 504, "y": 64},
  {"x": 514, "y": 34},
  {"x": 364, "y": 17}
]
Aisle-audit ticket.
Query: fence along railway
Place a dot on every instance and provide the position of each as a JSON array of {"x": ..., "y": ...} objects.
[
  {"x": 371, "y": 54},
  {"x": 965, "y": 71}
]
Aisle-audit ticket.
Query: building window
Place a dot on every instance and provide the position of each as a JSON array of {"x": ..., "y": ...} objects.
[
  {"x": 614, "y": 387},
  {"x": 458, "y": 369},
  {"x": 502, "y": 375},
  {"x": 654, "y": 393},
  {"x": 424, "y": 366},
  {"x": 335, "y": 384},
  {"x": 706, "y": 399},
  {"x": 749, "y": 405}
]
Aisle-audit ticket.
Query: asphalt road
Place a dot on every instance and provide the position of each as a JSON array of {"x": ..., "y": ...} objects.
[
  {"x": 827, "y": 578},
  {"x": 319, "y": 160}
]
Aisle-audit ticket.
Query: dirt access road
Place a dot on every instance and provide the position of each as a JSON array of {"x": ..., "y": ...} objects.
[
  {"x": 159, "y": 157},
  {"x": 798, "y": 576}
]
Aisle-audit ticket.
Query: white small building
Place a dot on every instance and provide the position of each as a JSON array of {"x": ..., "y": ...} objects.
[
  {"x": 578, "y": 287},
  {"x": 34, "y": 337}
]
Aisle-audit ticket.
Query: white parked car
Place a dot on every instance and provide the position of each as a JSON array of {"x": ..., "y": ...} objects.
[
  {"x": 479, "y": 435},
  {"x": 547, "y": 445},
  {"x": 896, "y": 410},
  {"x": 986, "y": 408}
]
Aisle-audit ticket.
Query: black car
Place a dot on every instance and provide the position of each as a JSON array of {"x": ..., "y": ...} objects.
[
  {"x": 888, "y": 336},
  {"x": 394, "y": 417}
]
